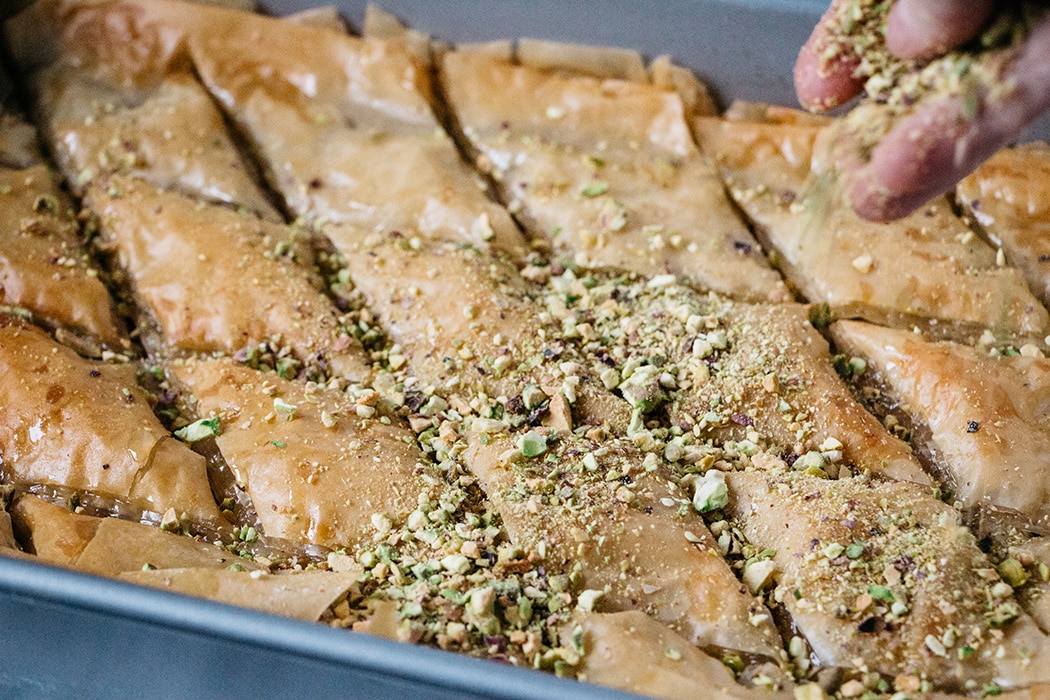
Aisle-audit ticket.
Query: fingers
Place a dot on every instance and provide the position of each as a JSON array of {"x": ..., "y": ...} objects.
[
  {"x": 912, "y": 164},
  {"x": 928, "y": 28},
  {"x": 823, "y": 83},
  {"x": 931, "y": 150}
]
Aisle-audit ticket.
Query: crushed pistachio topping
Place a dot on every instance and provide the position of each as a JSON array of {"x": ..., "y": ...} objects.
[
  {"x": 907, "y": 585},
  {"x": 199, "y": 430},
  {"x": 595, "y": 189}
]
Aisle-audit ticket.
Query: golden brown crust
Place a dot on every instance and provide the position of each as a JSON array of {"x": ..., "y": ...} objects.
[
  {"x": 464, "y": 322},
  {"x": 368, "y": 150},
  {"x": 928, "y": 265},
  {"x": 109, "y": 546},
  {"x": 1007, "y": 197},
  {"x": 303, "y": 595},
  {"x": 647, "y": 557},
  {"x": 569, "y": 465},
  {"x": 116, "y": 95},
  {"x": 87, "y": 425},
  {"x": 985, "y": 415},
  {"x": 606, "y": 171},
  {"x": 884, "y": 576},
  {"x": 316, "y": 471},
  {"x": 627, "y": 650},
  {"x": 43, "y": 267},
  {"x": 214, "y": 280}
]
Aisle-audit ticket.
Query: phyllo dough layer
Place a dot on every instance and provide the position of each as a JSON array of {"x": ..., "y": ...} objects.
[
  {"x": 987, "y": 416},
  {"x": 149, "y": 556},
  {"x": 929, "y": 265},
  {"x": 609, "y": 446},
  {"x": 116, "y": 95},
  {"x": 648, "y": 557},
  {"x": 885, "y": 576},
  {"x": 367, "y": 149},
  {"x": 315, "y": 470},
  {"x": 607, "y": 171},
  {"x": 67, "y": 421},
  {"x": 44, "y": 268},
  {"x": 213, "y": 280},
  {"x": 1009, "y": 198}
]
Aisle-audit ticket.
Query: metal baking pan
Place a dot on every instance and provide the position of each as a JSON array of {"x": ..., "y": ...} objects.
[{"x": 66, "y": 634}]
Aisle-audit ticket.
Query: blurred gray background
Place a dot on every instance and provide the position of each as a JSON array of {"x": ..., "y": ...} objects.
[{"x": 744, "y": 49}]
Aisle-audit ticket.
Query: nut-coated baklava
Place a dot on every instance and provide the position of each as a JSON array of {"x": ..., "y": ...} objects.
[{"x": 518, "y": 350}]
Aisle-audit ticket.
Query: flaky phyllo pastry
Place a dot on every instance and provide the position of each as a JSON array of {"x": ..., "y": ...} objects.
[{"x": 518, "y": 350}]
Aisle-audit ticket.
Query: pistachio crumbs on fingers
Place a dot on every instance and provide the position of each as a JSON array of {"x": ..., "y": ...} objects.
[
  {"x": 929, "y": 150},
  {"x": 825, "y": 75}
]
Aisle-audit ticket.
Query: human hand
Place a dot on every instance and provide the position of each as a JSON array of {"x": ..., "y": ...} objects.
[{"x": 946, "y": 136}]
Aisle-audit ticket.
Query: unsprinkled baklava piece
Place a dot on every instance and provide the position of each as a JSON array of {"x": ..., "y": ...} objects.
[
  {"x": 356, "y": 142},
  {"x": 44, "y": 269},
  {"x": 116, "y": 94},
  {"x": 318, "y": 466},
  {"x": 756, "y": 378},
  {"x": 1009, "y": 198},
  {"x": 627, "y": 532},
  {"x": 987, "y": 419},
  {"x": 607, "y": 171},
  {"x": 212, "y": 280},
  {"x": 630, "y": 651},
  {"x": 884, "y": 578},
  {"x": 150, "y": 556},
  {"x": 111, "y": 546},
  {"x": 88, "y": 426},
  {"x": 927, "y": 266}
]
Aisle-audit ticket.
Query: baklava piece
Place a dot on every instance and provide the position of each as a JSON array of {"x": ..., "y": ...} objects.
[
  {"x": 215, "y": 281},
  {"x": 70, "y": 422},
  {"x": 1009, "y": 199},
  {"x": 152, "y": 557},
  {"x": 986, "y": 416},
  {"x": 355, "y": 143},
  {"x": 884, "y": 578},
  {"x": 630, "y": 651},
  {"x": 304, "y": 595},
  {"x": 927, "y": 267},
  {"x": 466, "y": 326},
  {"x": 44, "y": 269},
  {"x": 319, "y": 467},
  {"x": 616, "y": 522},
  {"x": 754, "y": 378},
  {"x": 110, "y": 546},
  {"x": 116, "y": 94},
  {"x": 606, "y": 171}
]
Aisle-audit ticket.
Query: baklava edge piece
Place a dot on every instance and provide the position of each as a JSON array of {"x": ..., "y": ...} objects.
[
  {"x": 67, "y": 421},
  {"x": 986, "y": 415}
]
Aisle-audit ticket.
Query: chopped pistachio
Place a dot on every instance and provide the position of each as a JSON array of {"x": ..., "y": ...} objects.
[
  {"x": 758, "y": 574},
  {"x": 834, "y": 550},
  {"x": 199, "y": 430},
  {"x": 532, "y": 444},
  {"x": 588, "y": 599},
  {"x": 285, "y": 408},
  {"x": 595, "y": 189},
  {"x": 710, "y": 492},
  {"x": 881, "y": 593},
  {"x": 1013, "y": 572}
]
